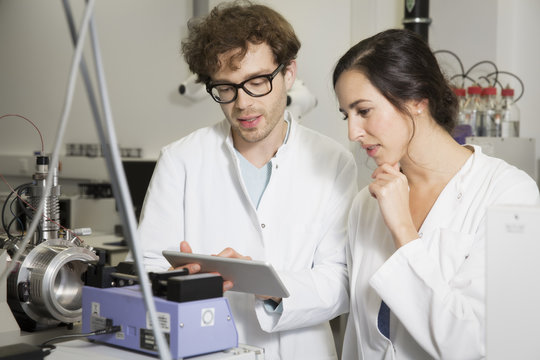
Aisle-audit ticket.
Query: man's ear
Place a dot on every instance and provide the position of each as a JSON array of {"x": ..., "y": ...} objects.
[{"x": 290, "y": 74}]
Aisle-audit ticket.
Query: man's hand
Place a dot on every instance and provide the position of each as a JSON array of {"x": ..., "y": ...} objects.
[
  {"x": 195, "y": 268},
  {"x": 231, "y": 253},
  {"x": 192, "y": 268}
]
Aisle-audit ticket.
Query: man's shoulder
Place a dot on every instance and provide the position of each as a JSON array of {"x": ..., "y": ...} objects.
[{"x": 200, "y": 138}]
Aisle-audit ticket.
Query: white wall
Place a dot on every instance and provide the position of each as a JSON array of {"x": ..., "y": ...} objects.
[
  {"x": 140, "y": 41},
  {"x": 140, "y": 44},
  {"x": 518, "y": 50},
  {"x": 140, "y": 47}
]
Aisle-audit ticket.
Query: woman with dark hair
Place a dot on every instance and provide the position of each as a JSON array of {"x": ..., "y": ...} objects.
[{"x": 417, "y": 232}]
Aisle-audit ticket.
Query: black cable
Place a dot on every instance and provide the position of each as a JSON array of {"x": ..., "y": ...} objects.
[
  {"x": 496, "y": 82},
  {"x": 18, "y": 190},
  {"x": 4, "y": 211},
  {"x": 28, "y": 211},
  {"x": 13, "y": 211},
  {"x": 108, "y": 330},
  {"x": 39, "y": 234},
  {"x": 47, "y": 352},
  {"x": 485, "y": 78},
  {"x": 25, "y": 210},
  {"x": 464, "y": 77},
  {"x": 457, "y": 58},
  {"x": 8, "y": 232},
  {"x": 496, "y": 72}
]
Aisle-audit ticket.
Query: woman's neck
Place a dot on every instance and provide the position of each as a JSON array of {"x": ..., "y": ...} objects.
[{"x": 434, "y": 157}]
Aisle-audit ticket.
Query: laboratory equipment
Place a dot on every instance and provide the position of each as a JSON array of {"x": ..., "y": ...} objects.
[
  {"x": 45, "y": 287},
  {"x": 512, "y": 287},
  {"x": 192, "y": 328},
  {"x": 300, "y": 100},
  {"x": 463, "y": 128},
  {"x": 416, "y": 17},
  {"x": 192, "y": 90},
  {"x": 520, "y": 152},
  {"x": 509, "y": 114},
  {"x": 473, "y": 108},
  {"x": 138, "y": 176},
  {"x": 191, "y": 309},
  {"x": 490, "y": 117}
]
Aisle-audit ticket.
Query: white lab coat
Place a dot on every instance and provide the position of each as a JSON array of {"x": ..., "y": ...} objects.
[
  {"x": 434, "y": 285},
  {"x": 197, "y": 194}
]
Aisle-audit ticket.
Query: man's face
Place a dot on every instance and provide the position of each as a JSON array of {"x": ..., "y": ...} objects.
[{"x": 255, "y": 120}]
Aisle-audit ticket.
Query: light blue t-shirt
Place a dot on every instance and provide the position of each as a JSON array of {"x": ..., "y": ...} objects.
[{"x": 256, "y": 181}]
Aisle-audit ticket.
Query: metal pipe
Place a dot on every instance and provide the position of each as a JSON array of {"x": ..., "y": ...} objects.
[{"x": 417, "y": 17}]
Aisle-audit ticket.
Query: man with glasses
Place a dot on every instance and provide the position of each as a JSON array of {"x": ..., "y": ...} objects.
[{"x": 257, "y": 185}]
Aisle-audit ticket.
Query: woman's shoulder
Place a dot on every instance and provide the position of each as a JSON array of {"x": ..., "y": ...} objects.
[
  {"x": 484, "y": 164},
  {"x": 501, "y": 178}
]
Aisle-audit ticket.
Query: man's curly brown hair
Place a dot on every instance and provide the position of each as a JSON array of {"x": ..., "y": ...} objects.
[{"x": 234, "y": 25}]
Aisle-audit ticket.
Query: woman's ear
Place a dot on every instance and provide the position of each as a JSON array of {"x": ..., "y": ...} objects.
[{"x": 421, "y": 106}]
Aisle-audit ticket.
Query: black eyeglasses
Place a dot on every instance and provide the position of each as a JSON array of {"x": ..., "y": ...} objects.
[{"x": 256, "y": 86}]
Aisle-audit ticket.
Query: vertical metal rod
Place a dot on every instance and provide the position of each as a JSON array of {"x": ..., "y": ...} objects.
[
  {"x": 417, "y": 17},
  {"x": 118, "y": 180}
]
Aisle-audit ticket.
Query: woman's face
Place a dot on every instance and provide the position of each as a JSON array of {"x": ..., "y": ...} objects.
[{"x": 373, "y": 121}]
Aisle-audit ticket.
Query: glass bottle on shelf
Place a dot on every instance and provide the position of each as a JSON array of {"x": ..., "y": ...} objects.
[
  {"x": 472, "y": 108},
  {"x": 509, "y": 114},
  {"x": 463, "y": 129},
  {"x": 491, "y": 117}
]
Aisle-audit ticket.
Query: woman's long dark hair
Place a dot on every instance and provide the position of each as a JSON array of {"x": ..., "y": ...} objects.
[{"x": 402, "y": 67}]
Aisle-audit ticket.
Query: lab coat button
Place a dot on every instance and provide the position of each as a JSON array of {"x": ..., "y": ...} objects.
[
  {"x": 263, "y": 226},
  {"x": 459, "y": 196},
  {"x": 420, "y": 235}
]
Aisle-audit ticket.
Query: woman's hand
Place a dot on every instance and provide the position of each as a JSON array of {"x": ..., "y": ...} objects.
[{"x": 390, "y": 188}]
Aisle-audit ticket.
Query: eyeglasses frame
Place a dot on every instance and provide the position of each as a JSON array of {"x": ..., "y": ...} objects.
[{"x": 270, "y": 77}]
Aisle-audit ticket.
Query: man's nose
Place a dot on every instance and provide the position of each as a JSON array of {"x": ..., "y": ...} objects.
[{"x": 243, "y": 99}]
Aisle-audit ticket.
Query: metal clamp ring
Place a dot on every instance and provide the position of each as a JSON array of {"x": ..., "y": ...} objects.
[{"x": 417, "y": 20}]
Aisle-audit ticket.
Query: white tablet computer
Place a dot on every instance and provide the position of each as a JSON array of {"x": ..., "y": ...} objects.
[{"x": 251, "y": 276}]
